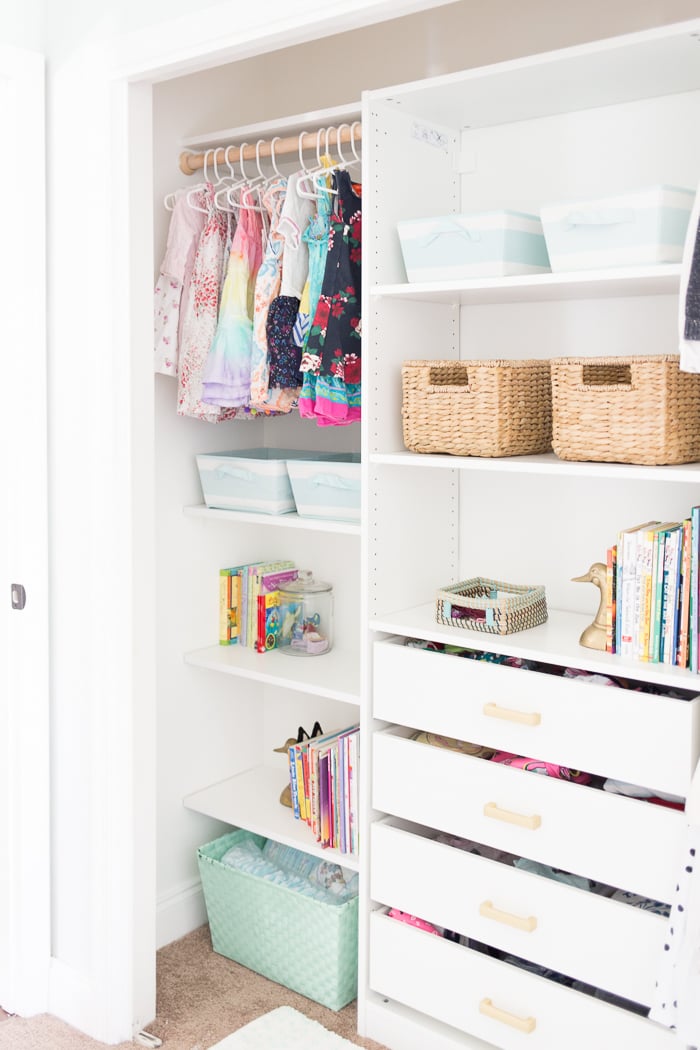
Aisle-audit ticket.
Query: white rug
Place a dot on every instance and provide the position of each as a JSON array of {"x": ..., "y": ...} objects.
[{"x": 283, "y": 1029}]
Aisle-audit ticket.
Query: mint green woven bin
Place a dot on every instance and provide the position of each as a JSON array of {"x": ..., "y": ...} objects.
[{"x": 306, "y": 945}]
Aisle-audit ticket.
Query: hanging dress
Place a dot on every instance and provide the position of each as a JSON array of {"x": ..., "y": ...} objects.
[
  {"x": 174, "y": 277},
  {"x": 316, "y": 237},
  {"x": 266, "y": 289},
  {"x": 226, "y": 380},
  {"x": 335, "y": 337},
  {"x": 284, "y": 355},
  {"x": 201, "y": 312}
]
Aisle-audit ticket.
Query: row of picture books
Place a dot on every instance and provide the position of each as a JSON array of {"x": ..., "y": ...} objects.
[
  {"x": 653, "y": 602},
  {"x": 324, "y": 780},
  {"x": 249, "y": 606}
]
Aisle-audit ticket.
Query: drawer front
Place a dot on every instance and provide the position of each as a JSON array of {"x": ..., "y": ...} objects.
[
  {"x": 599, "y": 729},
  {"x": 621, "y": 841},
  {"x": 591, "y": 938},
  {"x": 494, "y": 1001}
]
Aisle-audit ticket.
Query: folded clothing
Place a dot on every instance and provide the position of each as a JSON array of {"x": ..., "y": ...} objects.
[
  {"x": 343, "y": 882},
  {"x": 249, "y": 858},
  {"x": 452, "y": 744},
  {"x": 536, "y": 765},
  {"x": 659, "y": 798}
]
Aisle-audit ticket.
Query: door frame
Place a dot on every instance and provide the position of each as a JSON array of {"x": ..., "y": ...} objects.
[{"x": 25, "y": 884}]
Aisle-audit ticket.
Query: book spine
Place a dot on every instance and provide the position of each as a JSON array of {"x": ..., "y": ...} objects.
[
  {"x": 301, "y": 792},
  {"x": 262, "y": 616},
  {"x": 670, "y": 640},
  {"x": 644, "y": 596},
  {"x": 657, "y": 600},
  {"x": 629, "y": 581},
  {"x": 609, "y": 581},
  {"x": 693, "y": 610},
  {"x": 294, "y": 787},
  {"x": 224, "y": 606},
  {"x": 682, "y": 658}
]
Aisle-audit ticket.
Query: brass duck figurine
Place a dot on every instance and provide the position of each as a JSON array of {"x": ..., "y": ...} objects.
[{"x": 593, "y": 637}]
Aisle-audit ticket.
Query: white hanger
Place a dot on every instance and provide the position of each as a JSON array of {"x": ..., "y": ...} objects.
[
  {"x": 254, "y": 184},
  {"x": 317, "y": 186},
  {"x": 219, "y": 203},
  {"x": 353, "y": 147},
  {"x": 199, "y": 187}
]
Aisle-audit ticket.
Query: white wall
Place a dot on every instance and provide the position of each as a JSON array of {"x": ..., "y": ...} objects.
[
  {"x": 102, "y": 682},
  {"x": 22, "y": 24}
]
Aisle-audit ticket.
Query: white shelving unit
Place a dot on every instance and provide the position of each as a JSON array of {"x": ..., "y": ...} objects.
[
  {"x": 248, "y": 795},
  {"x": 282, "y": 521},
  {"x": 565, "y": 126}
]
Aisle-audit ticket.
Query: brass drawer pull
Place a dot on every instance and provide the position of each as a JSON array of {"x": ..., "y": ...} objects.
[
  {"x": 527, "y": 924},
  {"x": 523, "y": 1024},
  {"x": 523, "y": 718},
  {"x": 530, "y": 821}
]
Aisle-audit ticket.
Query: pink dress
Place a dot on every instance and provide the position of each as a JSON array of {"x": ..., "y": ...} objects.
[
  {"x": 173, "y": 284},
  {"x": 201, "y": 313}
]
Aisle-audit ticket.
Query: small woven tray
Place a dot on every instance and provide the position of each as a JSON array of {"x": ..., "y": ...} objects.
[
  {"x": 481, "y": 604},
  {"x": 477, "y": 408},
  {"x": 625, "y": 410}
]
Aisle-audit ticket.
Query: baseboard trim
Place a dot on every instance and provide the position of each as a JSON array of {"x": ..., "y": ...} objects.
[{"x": 179, "y": 910}]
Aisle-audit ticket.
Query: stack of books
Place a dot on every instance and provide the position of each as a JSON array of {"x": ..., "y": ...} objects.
[
  {"x": 652, "y": 592},
  {"x": 249, "y": 603},
  {"x": 324, "y": 780}
]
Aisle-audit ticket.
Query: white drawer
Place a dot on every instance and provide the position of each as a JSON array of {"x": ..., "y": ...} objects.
[
  {"x": 645, "y": 739},
  {"x": 588, "y": 937},
  {"x": 454, "y": 985},
  {"x": 621, "y": 841}
]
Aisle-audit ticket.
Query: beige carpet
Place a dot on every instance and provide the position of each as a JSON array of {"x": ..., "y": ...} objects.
[{"x": 202, "y": 997}]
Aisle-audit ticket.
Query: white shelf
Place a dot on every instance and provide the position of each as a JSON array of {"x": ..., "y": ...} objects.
[
  {"x": 555, "y": 641},
  {"x": 251, "y": 800},
  {"x": 283, "y": 521},
  {"x": 589, "y": 284},
  {"x": 546, "y": 463},
  {"x": 335, "y": 675},
  {"x": 291, "y": 125}
]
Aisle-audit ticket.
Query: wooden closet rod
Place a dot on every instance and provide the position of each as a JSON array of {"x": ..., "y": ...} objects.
[{"x": 192, "y": 162}]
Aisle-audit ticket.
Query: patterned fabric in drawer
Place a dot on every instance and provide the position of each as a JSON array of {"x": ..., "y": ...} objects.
[
  {"x": 588, "y": 937},
  {"x": 497, "y": 1002},
  {"x": 621, "y": 841},
  {"x": 604, "y": 730}
]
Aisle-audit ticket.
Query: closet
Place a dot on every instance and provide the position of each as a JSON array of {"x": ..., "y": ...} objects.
[
  {"x": 534, "y": 130},
  {"x": 565, "y": 126}
]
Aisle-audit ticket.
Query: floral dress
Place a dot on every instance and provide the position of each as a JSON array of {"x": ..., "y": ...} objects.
[
  {"x": 316, "y": 237},
  {"x": 227, "y": 373},
  {"x": 267, "y": 288},
  {"x": 201, "y": 312},
  {"x": 333, "y": 351},
  {"x": 173, "y": 284}
]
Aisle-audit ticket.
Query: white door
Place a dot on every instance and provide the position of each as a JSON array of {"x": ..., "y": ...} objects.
[{"x": 24, "y": 641}]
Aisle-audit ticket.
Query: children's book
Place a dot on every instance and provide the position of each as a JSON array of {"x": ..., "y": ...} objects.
[
  {"x": 610, "y": 602},
  {"x": 268, "y": 621},
  {"x": 683, "y": 612},
  {"x": 629, "y": 591},
  {"x": 672, "y": 582},
  {"x": 229, "y": 604},
  {"x": 693, "y": 605}
]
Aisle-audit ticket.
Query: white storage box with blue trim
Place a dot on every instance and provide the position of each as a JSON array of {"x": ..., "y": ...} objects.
[
  {"x": 484, "y": 244},
  {"x": 254, "y": 479},
  {"x": 327, "y": 488},
  {"x": 644, "y": 227}
]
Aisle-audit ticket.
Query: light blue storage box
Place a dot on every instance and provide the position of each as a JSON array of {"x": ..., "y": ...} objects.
[
  {"x": 644, "y": 227},
  {"x": 483, "y": 244},
  {"x": 254, "y": 479},
  {"x": 328, "y": 488}
]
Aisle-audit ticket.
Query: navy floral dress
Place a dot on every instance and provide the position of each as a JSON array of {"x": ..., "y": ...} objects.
[{"x": 331, "y": 362}]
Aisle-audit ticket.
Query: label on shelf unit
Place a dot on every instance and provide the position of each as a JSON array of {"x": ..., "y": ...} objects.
[{"x": 430, "y": 136}]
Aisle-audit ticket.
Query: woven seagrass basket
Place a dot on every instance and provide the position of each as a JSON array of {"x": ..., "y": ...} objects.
[
  {"x": 477, "y": 408},
  {"x": 625, "y": 410},
  {"x": 481, "y": 604}
]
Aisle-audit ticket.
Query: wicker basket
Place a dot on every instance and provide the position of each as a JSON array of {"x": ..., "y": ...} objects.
[
  {"x": 625, "y": 410},
  {"x": 477, "y": 408},
  {"x": 493, "y": 606},
  {"x": 304, "y": 944}
]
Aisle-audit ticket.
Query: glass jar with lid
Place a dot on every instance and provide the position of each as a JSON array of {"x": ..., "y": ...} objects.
[{"x": 306, "y": 616}]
